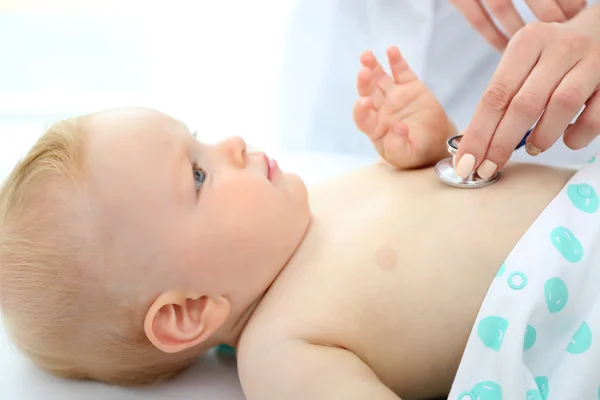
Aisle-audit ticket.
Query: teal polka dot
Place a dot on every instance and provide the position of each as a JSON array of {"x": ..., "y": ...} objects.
[
  {"x": 591, "y": 161},
  {"x": 517, "y": 280},
  {"x": 583, "y": 197},
  {"x": 541, "y": 393},
  {"x": 567, "y": 244},
  {"x": 542, "y": 384},
  {"x": 491, "y": 331},
  {"x": 487, "y": 390},
  {"x": 556, "y": 294},
  {"x": 225, "y": 350},
  {"x": 530, "y": 336},
  {"x": 533, "y": 394},
  {"x": 581, "y": 340},
  {"x": 501, "y": 270},
  {"x": 466, "y": 396}
]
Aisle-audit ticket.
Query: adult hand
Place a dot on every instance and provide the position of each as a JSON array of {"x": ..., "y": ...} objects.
[
  {"x": 548, "y": 69},
  {"x": 507, "y": 15}
]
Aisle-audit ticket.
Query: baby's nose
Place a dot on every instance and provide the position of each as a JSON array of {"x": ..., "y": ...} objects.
[
  {"x": 235, "y": 143},
  {"x": 252, "y": 150},
  {"x": 234, "y": 150}
]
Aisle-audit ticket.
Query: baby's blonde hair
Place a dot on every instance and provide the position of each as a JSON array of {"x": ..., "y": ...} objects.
[{"x": 56, "y": 305}]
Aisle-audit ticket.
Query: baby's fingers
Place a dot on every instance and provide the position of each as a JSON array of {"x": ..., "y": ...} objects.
[
  {"x": 366, "y": 87},
  {"x": 401, "y": 71},
  {"x": 365, "y": 117},
  {"x": 380, "y": 77},
  {"x": 364, "y": 83}
]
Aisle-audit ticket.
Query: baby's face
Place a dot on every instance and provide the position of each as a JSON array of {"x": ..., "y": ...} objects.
[{"x": 217, "y": 218}]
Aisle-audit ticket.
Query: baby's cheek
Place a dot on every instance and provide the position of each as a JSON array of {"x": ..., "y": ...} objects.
[
  {"x": 251, "y": 196},
  {"x": 253, "y": 210}
]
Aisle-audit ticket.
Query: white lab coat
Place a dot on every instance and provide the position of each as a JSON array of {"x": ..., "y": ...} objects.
[{"x": 323, "y": 45}]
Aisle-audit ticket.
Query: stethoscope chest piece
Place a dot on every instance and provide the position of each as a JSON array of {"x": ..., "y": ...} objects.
[{"x": 445, "y": 170}]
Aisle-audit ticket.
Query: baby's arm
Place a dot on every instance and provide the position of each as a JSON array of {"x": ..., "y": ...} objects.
[
  {"x": 299, "y": 371},
  {"x": 402, "y": 117}
]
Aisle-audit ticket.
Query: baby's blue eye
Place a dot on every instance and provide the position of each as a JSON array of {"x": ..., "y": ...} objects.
[{"x": 199, "y": 177}]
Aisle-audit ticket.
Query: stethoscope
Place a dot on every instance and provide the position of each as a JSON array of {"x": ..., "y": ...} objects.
[{"x": 445, "y": 169}]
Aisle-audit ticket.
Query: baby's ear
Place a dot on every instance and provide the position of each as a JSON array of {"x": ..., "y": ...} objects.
[{"x": 177, "y": 321}]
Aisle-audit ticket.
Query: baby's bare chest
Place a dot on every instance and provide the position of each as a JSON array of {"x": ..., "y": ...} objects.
[{"x": 404, "y": 309}]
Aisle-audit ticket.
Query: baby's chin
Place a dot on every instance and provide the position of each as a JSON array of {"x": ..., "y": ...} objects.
[
  {"x": 298, "y": 183},
  {"x": 296, "y": 177}
]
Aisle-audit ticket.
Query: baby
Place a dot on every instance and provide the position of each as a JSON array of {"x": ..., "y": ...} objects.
[{"x": 128, "y": 248}]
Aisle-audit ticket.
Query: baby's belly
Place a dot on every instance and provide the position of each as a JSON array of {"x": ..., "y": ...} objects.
[{"x": 415, "y": 339}]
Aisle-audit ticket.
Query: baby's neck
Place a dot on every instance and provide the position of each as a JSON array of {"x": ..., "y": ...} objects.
[{"x": 235, "y": 330}]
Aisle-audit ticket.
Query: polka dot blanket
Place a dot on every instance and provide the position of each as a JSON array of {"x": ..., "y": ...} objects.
[{"x": 537, "y": 334}]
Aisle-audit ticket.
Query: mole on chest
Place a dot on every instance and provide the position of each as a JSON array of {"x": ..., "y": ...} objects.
[{"x": 386, "y": 257}]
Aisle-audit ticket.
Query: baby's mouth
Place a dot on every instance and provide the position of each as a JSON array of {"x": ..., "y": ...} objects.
[
  {"x": 272, "y": 168},
  {"x": 271, "y": 165}
]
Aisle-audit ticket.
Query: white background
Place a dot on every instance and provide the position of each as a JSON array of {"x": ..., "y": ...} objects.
[{"x": 212, "y": 64}]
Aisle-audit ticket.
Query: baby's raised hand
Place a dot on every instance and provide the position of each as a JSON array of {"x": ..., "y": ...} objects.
[{"x": 405, "y": 121}]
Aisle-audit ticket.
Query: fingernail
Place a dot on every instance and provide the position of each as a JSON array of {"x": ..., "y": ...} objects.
[
  {"x": 531, "y": 149},
  {"x": 487, "y": 169},
  {"x": 465, "y": 165}
]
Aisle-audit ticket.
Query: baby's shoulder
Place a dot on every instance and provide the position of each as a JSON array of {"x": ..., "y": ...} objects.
[
  {"x": 287, "y": 316},
  {"x": 302, "y": 305},
  {"x": 268, "y": 330},
  {"x": 273, "y": 321}
]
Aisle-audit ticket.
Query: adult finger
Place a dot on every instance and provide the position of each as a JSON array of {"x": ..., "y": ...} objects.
[
  {"x": 506, "y": 13},
  {"x": 587, "y": 126},
  {"x": 525, "y": 109},
  {"x": 515, "y": 66},
  {"x": 547, "y": 10},
  {"x": 572, "y": 93},
  {"x": 571, "y": 7},
  {"x": 479, "y": 19}
]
